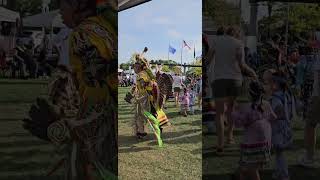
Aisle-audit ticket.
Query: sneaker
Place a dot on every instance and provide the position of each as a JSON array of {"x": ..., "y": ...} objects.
[
  {"x": 231, "y": 141},
  {"x": 308, "y": 163}
]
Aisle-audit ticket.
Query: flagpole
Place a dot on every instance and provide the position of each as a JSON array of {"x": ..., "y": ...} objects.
[
  {"x": 168, "y": 51},
  {"x": 194, "y": 52},
  {"x": 181, "y": 54}
]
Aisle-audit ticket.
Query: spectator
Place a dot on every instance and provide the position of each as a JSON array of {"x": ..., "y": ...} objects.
[{"x": 227, "y": 80}]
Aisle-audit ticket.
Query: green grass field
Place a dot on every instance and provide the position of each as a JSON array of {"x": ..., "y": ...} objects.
[
  {"x": 23, "y": 157},
  {"x": 221, "y": 167},
  {"x": 179, "y": 159}
]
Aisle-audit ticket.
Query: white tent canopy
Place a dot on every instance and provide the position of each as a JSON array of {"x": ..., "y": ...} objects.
[
  {"x": 8, "y": 15},
  {"x": 44, "y": 20}
]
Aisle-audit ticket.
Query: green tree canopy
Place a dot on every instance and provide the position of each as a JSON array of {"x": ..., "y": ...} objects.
[
  {"x": 302, "y": 18},
  {"x": 221, "y": 12},
  {"x": 196, "y": 70}
]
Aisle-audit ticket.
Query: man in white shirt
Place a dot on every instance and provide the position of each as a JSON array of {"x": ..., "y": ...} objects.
[{"x": 62, "y": 43}]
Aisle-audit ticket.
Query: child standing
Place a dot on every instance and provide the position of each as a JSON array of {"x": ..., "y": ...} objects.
[
  {"x": 281, "y": 127},
  {"x": 185, "y": 102},
  {"x": 192, "y": 100},
  {"x": 255, "y": 118}
]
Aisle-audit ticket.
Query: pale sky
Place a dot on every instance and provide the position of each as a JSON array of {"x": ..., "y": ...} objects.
[{"x": 157, "y": 23}]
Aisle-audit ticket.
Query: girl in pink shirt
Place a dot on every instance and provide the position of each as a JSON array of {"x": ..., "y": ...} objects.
[
  {"x": 254, "y": 118},
  {"x": 185, "y": 102}
]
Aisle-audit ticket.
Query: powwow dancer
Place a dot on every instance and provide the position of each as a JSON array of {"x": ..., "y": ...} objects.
[
  {"x": 79, "y": 117},
  {"x": 148, "y": 100}
]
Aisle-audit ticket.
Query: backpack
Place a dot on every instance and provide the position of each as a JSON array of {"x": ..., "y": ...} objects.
[
  {"x": 289, "y": 103},
  {"x": 308, "y": 70}
]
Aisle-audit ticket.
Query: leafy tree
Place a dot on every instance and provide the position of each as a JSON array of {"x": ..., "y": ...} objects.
[
  {"x": 28, "y": 7},
  {"x": 125, "y": 66},
  {"x": 302, "y": 18},
  {"x": 32, "y": 7},
  {"x": 166, "y": 68},
  {"x": 221, "y": 12},
  {"x": 196, "y": 70}
]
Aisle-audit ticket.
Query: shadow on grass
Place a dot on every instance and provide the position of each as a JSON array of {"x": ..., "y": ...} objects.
[
  {"x": 192, "y": 123},
  {"x": 168, "y": 138},
  {"x": 19, "y": 155},
  {"x": 10, "y": 119},
  {"x": 187, "y": 136},
  {"x": 197, "y": 151},
  {"x": 11, "y": 135},
  {"x": 235, "y": 133},
  {"x": 134, "y": 149},
  {"x": 172, "y": 115},
  {"x": 296, "y": 173},
  {"x": 217, "y": 177},
  {"x": 23, "y": 166},
  {"x": 128, "y": 141},
  {"x": 18, "y": 101},
  {"x": 22, "y": 143},
  {"x": 226, "y": 153},
  {"x": 20, "y": 177}
]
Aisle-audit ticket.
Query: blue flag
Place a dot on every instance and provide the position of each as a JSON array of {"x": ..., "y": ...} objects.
[{"x": 172, "y": 50}]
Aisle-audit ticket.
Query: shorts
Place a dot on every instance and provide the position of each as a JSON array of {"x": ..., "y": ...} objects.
[
  {"x": 223, "y": 88},
  {"x": 176, "y": 89},
  {"x": 313, "y": 113}
]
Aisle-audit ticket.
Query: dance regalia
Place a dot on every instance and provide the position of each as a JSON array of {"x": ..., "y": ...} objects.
[
  {"x": 148, "y": 100},
  {"x": 79, "y": 117}
]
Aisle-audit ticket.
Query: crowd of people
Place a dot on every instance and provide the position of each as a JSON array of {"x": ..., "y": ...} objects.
[
  {"x": 126, "y": 80},
  {"x": 186, "y": 90},
  {"x": 263, "y": 94},
  {"x": 27, "y": 61}
]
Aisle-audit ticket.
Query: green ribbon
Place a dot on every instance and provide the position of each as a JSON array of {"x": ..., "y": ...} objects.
[{"x": 155, "y": 125}]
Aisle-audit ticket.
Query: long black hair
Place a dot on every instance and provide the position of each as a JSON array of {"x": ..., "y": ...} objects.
[{"x": 256, "y": 92}]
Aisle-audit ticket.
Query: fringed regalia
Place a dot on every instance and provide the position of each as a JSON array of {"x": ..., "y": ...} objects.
[
  {"x": 79, "y": 116},
  {"x": 148, "y": 100}
]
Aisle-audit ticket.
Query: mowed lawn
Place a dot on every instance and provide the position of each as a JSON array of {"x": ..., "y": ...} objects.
[
  {"x": 23, "y": 157},
  {"x": 221, "y": 167},
  {"x": 179, "y": 159}
]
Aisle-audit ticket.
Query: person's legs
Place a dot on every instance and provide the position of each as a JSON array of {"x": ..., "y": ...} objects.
[
  {"x": 281, "y": 165},
  {"x": 230, "y": 125},
  {"x": 176, "y": 98},
  {"x": 200, "y": 99},
  {"x": 310, "y": 141},
  {"x": 243, "y": 174},
  {"x": 220, "y": 122},
  {"x": 312, "y": 119},
  {"x": 253, "y": 173}
]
